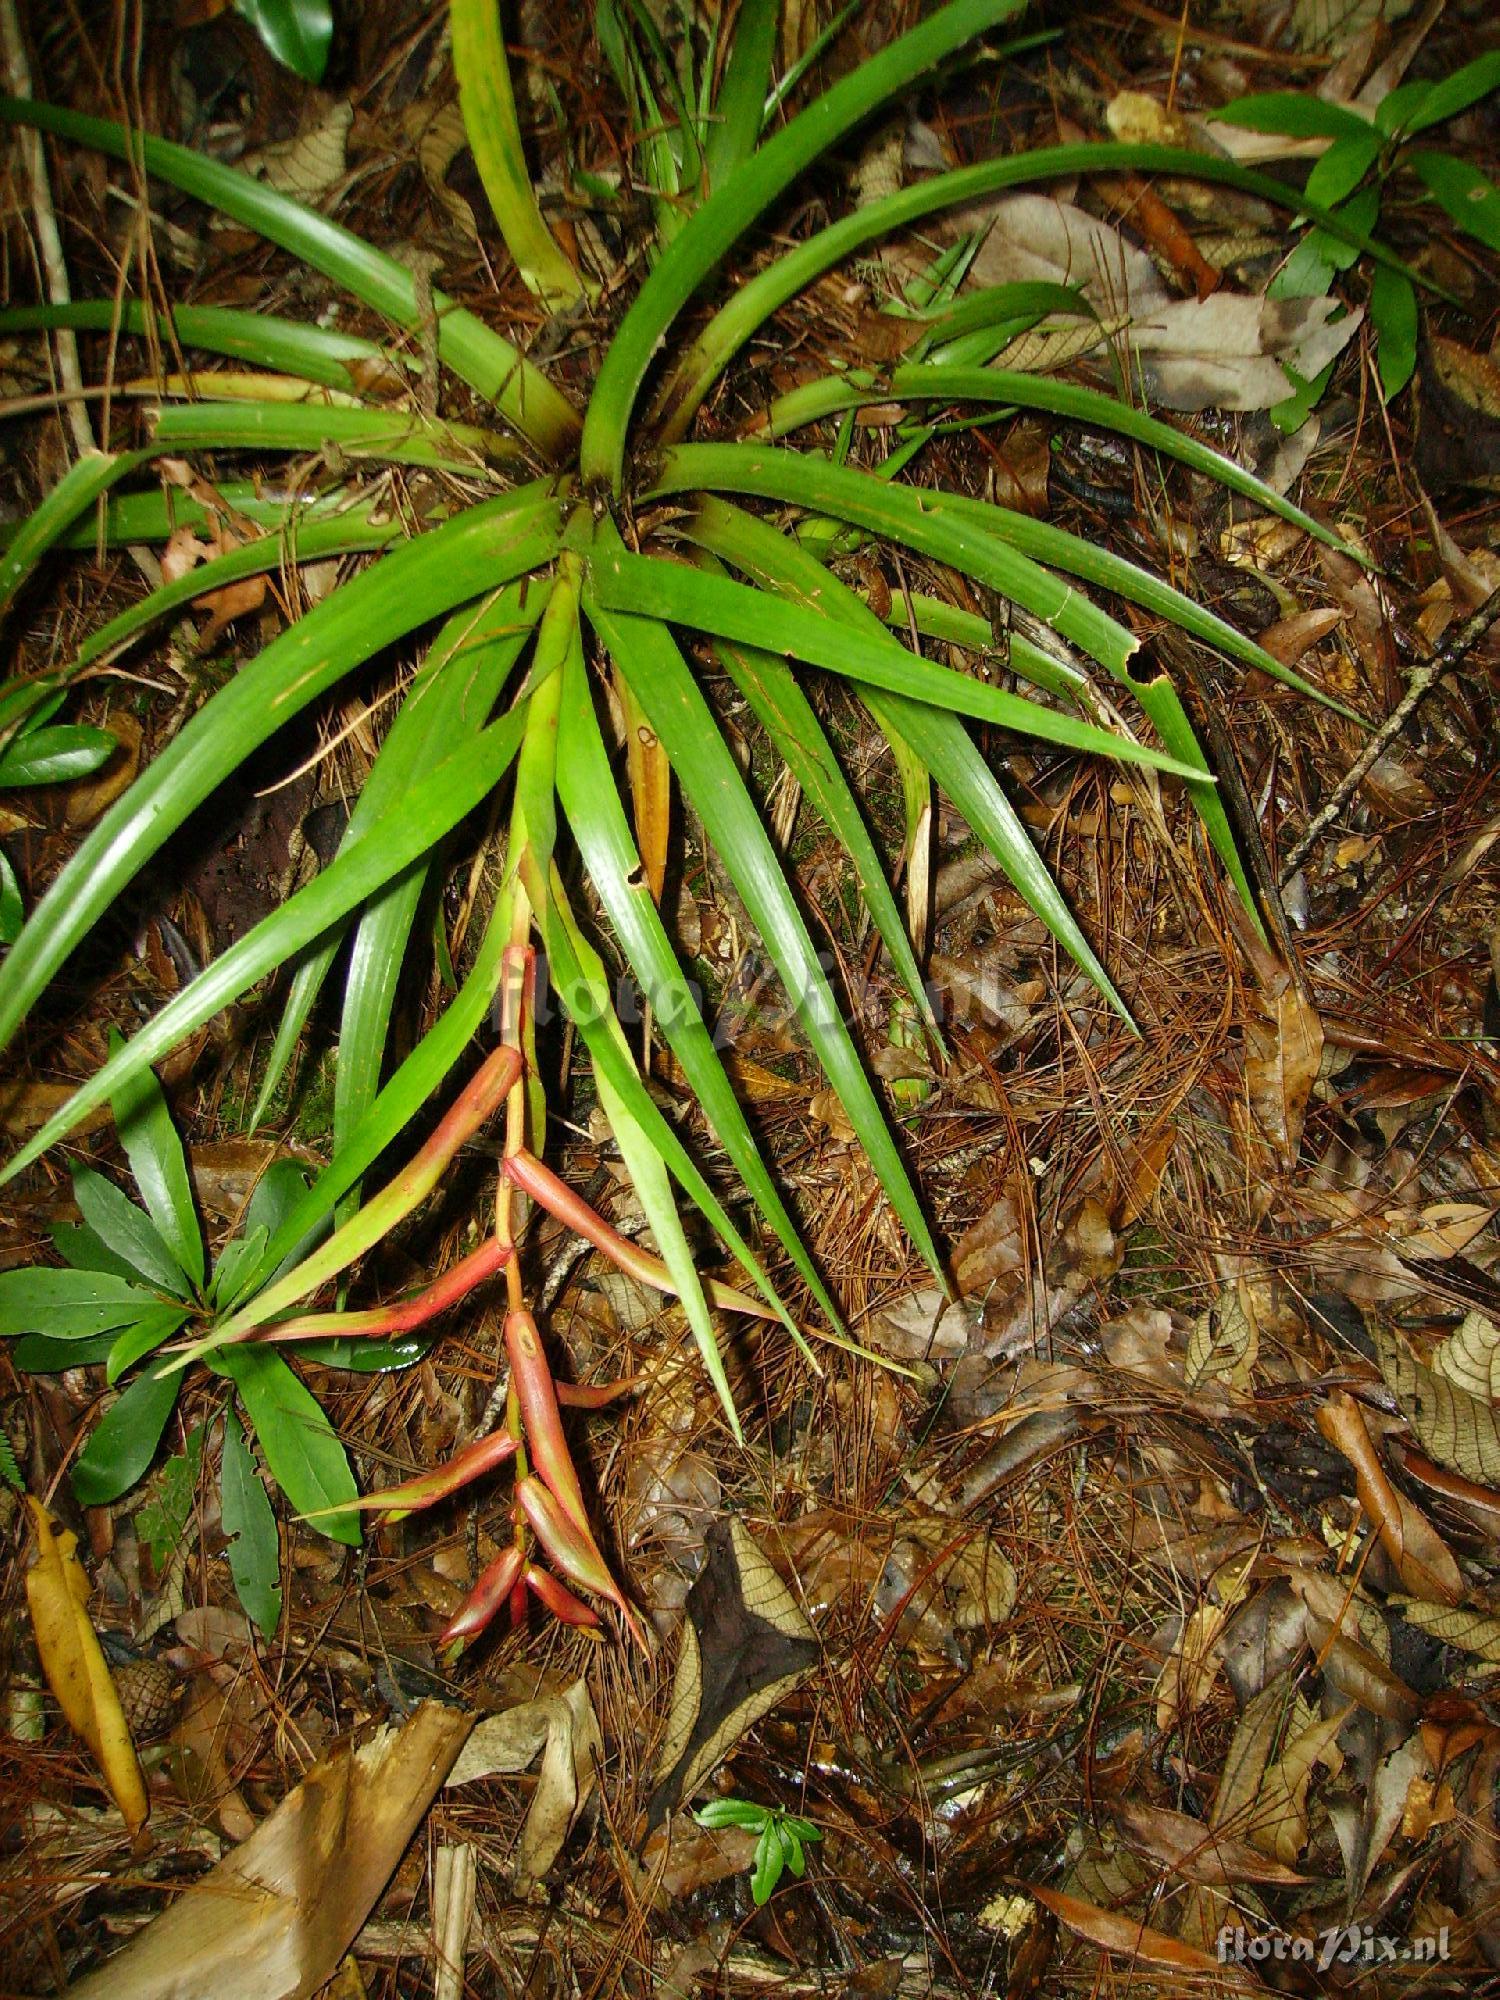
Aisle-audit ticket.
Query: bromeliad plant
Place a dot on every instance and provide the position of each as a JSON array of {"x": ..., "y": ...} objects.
[{"x": 559, "y": 598}]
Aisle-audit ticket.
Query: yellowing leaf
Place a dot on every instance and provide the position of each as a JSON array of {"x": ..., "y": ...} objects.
[
  {"x": 57, "y": 1592},
  {"x": 1455, "y": 1428}
]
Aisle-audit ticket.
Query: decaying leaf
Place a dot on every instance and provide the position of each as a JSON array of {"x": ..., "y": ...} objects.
[
  {"x": 941, "y": 1578},
  {"x": 284, "y": 1906},
  {"x": 57, "y": 1594},
  {"x": 1421, "y": 1557},
  {"x": 1455, "y": 1428},
  {"x": 1282, "y": 1052},
  {"x": 1112, "y": 1931},
  {"x": 745, "y": 1644},
  {"x": 1232, "y": 351},
  {"x": 1475, "y": 1632},
  {"x": 311, "y": 163},
  {"x": 566, "y": 1731},
  {"x": 1224, "y": 1344},
  {"x": 1188, "y": 1677},
  {"x": 1470, "y": 1358},
  {"x": 1197, "y": 1852}
]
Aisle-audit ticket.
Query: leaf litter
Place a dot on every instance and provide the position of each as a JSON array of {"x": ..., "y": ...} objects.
[{"x": 1156, "y": 1597}]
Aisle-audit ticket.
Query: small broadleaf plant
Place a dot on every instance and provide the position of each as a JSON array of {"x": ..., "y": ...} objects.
[
  {"x": 782, "y": 1839},
  {"x": 1365, "y": 159}
]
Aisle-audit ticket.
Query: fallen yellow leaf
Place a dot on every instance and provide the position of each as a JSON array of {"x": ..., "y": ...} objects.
[{"x": 57, "y": 1592}]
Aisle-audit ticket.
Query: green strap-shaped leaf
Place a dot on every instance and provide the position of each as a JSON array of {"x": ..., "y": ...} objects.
[
  {"x": 714, "y": 229},
  {"x": 939, "y": 740},
  {"x": 650, "y": 585},
  {"x": 490, "y": 365},
  {"x": 422, "y": 580},
  {"x": 80, "y": 486},
  {"x": 314, "y": 353},
  {"x": 450, "y": 698},
  {"x": 754, "y": 301},
  {"x": 488, "y": 106},
  {"x": 741, "y": 101},
  {"x": 301, "y": 1446},
  {"x": 399, "y": 437},
  {"x": 580, "y": 979},
  {"x": 596, "y": 815},
  {"x": 133, "y": 1343},
  {"x": 645, "y": 653},
  {"x": 933, "y": 382},
  {"x": 432, "y": 809},
  {"x": 905, "y": 515}
]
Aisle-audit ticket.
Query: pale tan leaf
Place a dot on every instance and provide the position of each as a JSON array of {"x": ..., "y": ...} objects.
[
  {"x": 1188, "y": 1677},
  {"x": 440, "y": 138},
  {"x": 566, "y": 1731},
  {"x": 1278, "y": 1819},
  {"x": 1441, "y": 1230},
  {"x": 279, "y": 1912},
  {"x": 57, "y": 1595},
  {"x": 1455, "y": 1428},
  {"x": 1470, "y": 1358},
  {"x": 1224, "y": 1344},
  {"x": 311, "y": 163},
  {"x": 1471, "y": 1631}
]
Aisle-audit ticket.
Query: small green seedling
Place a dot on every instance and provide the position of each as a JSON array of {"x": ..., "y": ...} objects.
[
  {"x": 782, "y": 1839},
  {"x": 1351, "y": 181}
]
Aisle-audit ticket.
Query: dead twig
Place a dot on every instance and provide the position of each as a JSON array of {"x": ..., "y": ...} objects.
[{"x": 1424, "y": 677}]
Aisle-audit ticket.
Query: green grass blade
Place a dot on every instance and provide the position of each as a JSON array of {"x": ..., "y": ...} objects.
[
  {"x": 754, "y": 301},
  {"x": 647, "y": 656},
  {"x": 903, "y": 514},
  {"x": 80, "y": 486},
  {"x": 583, "y": 985},
  {"x": 156, "y": 516},
  {"x": 451, "y": 697},
  {"x": 650, "y": 585},
  {"x": 491, "y": 366},
  {"x": 400, "y": 437},
  {"x": 740, "y": 105},
  {"x": 596, "y": 815},
  {"x": 489, "y": 113},
  {"x": 340, "y": 361},
  {"x": 935, "y": 619},
  {"x": 431, "y": 809},
  {"x": 715, "y": 228},
  {"x": 419, "y": 581}
]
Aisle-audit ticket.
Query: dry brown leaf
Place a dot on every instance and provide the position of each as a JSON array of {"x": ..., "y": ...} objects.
[
  {"x": 1232, "y": 351},
  {"x": 1282, "y": 1053},
  {"x": 1422, "y": 1559},
  {"x": 1185, "y": 1845},
  {"x": 1224, "y": 1344},
  {"x": 1114, "y": 1932},
  {"x": 440, "y": 138},
  {"x": 57, "y": 1595},
  {"x": 1473, "y": 1632},
  {"x": 1278, "y": 1818},
  {"x": 276, "y": 1916},
  {"x": 566, "y": 1731},
  {"x": 1188, "y": 1677},
  {"x": 311, "y": 163},
  {"x": 1470, "y": 1358},
  {"x": 91, "y": 797},
  {"x": 1292, "y": 637},
  {"x": 1455, "y": 1428},
  {"x": 1034, "y": 236},
  {"x": 1441, "y": 1230}
]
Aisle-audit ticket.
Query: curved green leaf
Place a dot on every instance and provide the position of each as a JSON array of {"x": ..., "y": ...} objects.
[
  {"x": 490, "y": 365},
  {"x": 123, "y": 1443},
  {"x": 127, "y": 1230},
  {"x": 421, "y": 580},
  {"x": 301, "y": 1446},
  {"x": 647, "y": 657},
  {"x": 69, "y": 1305}
]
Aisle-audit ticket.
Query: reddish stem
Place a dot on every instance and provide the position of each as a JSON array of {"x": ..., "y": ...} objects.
[{"x": 406, "y": 1314}]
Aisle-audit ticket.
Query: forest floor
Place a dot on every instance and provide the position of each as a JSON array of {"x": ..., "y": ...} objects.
[{"x": 1154, "y": 1581}]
